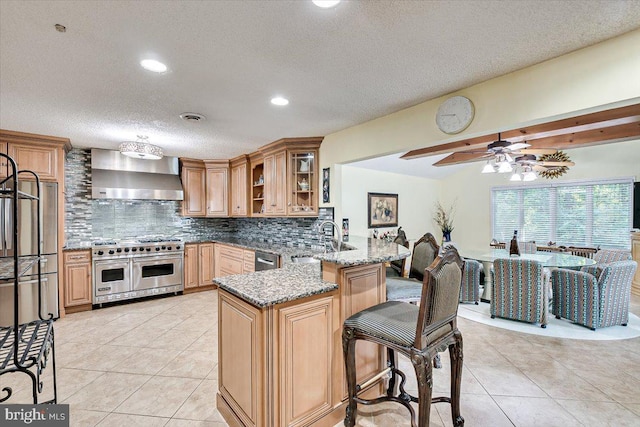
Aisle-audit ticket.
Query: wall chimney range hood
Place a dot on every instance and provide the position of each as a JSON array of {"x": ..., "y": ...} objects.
[{"x": 114, "y": 176}]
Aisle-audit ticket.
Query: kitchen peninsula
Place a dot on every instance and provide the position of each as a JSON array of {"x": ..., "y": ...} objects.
[{"x": 280, "y": 336}]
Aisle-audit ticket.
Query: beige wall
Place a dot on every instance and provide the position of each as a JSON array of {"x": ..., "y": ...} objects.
[
  {"x": 416, "y": 197},
  {"x": 591, "y": 79}
]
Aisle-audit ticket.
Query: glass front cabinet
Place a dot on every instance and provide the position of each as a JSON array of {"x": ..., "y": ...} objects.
[{"x": 303, "y": 183}]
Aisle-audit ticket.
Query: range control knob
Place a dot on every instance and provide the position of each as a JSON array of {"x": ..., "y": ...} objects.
[
  {"x": 134, "y": 249},
  {"x": 157, "y": 248},
  {"x": 100, "y": 252},
  {"x": 126, "y": 249},
  {"x": 164, "y": 247},
  {"x": 148, "y": 249},
  {"x": 111, "y": 252},
  {"x": 169, "y": 247},
  {"x": 118, "y": 250},
  {"x": 142, "y": 248},
  {"x": 177, "y": 247}
]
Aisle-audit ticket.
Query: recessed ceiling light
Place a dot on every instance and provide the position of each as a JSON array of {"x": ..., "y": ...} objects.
[
  {"x": 278, "y": 100},
  {"x": 325, "y": 4},
  {"x": 153, "y": 65},
  {"x": 192, "y": 117},
  {"x": 60, "y": 28}
]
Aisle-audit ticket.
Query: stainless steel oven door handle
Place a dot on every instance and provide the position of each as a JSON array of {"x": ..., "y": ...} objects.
[
  {"x": 265, "y": 261},
  {"x": 26, "y": 282}
]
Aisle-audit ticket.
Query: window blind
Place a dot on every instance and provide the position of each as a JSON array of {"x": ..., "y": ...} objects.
[{"x": 584, "y": 213}]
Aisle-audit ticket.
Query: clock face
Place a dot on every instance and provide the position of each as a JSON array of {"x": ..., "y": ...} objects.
[{"x": 455, "y": 114}]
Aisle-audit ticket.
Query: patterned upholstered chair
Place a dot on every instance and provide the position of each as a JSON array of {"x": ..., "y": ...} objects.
[
  {"x": 604, "y": 256},
  {"x": 470, "y": 288},
  {"x": 519, "y": 292},
  {"x": 595, "y": 301},
  {"x": 396, "y": 269},
  {"x": 409, "y": 289},
  {"x": 418, "y": 332}
]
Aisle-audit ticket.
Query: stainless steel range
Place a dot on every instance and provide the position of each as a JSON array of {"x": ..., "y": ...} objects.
[{"x": 125, "y": 270}]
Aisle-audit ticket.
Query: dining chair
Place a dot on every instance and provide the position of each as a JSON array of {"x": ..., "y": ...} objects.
[
  {"x": 604, "y": 256},
  {"x": 594, "y": 300},
  {"x": 470, "y": 287},
  {"x": 419, "y": 333},
  {"x": 409, "y": 289},
  {"x": 551, "y": 249},
  {"x": 518, "y": 291},
  {"x": 587, "y": 252},
  {"x": 396, "y": 268}
]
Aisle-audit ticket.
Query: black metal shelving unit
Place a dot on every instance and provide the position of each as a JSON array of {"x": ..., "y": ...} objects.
[{"x": 29, "y": 347}]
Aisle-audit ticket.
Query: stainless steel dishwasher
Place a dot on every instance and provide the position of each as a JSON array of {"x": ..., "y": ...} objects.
[{"x": 266, "y": 261}]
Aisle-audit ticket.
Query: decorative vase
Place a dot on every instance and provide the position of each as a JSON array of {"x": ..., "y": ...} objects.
[{"x": 446, "y": 235}]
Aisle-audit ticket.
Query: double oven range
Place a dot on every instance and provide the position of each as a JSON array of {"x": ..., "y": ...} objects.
[{"x": 125, "y": 270}]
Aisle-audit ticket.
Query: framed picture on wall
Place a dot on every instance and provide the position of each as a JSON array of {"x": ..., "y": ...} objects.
[
  {"x": 325, "y": 185},
  {"x": 383, "y": 210}
]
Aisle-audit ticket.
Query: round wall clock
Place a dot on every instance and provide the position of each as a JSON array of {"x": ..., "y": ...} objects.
[{"x": 455, "y": 114}]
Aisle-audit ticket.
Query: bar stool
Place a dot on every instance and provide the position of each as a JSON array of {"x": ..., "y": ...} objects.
[{"x": 418, "y": 332}]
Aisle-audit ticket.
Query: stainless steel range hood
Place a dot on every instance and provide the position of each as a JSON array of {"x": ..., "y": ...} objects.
[{"x": 115, "y": 176}]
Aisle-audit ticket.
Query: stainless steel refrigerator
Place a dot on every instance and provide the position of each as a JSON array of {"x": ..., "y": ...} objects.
[{"x": 28, "y": 245}]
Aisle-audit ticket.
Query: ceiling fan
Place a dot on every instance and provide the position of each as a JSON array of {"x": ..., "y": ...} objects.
[{"x": 503, "y": 156}]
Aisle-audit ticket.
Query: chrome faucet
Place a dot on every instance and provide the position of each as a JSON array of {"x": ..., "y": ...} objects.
[{"x": 336, "y": 226}]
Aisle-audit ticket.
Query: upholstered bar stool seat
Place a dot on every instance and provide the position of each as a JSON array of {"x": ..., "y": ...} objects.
[{"x": 392, "y": 321}]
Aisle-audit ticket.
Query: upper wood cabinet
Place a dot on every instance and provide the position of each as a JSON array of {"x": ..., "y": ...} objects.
[
  {"x": 193, "y": 183},
  {"x": 206, "y": 187},
  {"x": 240, "y": 186},
  {"x": 275, "y": 180},
  {"x": 291, "y": 180},
  {"x": 41, "y": 154},
  {"x": 217, "y": 184},
  {"x": 256, "y": 178}
]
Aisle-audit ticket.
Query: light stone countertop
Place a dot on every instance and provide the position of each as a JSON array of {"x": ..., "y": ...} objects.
[{"x": 295, "y": 281}]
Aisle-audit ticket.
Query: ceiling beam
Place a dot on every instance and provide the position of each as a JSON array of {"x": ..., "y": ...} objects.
[
  {"x": 608, "y": 119},
  {"x": 585, "y": 138}
]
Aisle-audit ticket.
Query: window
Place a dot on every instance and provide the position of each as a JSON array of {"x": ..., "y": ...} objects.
[{"x": 573, "y": 213}]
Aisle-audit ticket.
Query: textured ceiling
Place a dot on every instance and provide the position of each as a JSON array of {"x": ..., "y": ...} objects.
[{"x": 226, "y": 59}]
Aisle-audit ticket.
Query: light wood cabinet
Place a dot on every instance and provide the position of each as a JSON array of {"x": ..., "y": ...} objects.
[
  {"x": 198, "y": 265},
  {"x": 206, "y": 188},
  {"x": 303, "y": 182},
  {"x": 283, "y": 365},
  {"x": 42, "y": 160},
  {"x": 231, "y": 260},
  {"x": 240, "y": 186},
  {"x": 275, "y": 180},
  {"x": 77, "y": 280},
  {"x": 193, "y": 183},
  {"x": 635, "y": 252},
  {"x": 276, "y": 364},
  {"x": 257, "y": 184},
  {"x": 217, "y": 185}
]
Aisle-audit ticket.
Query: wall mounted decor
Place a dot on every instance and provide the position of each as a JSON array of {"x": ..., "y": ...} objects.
[
  {"x": 325, "y": 185},
  {"x": 383, "y": 210}
]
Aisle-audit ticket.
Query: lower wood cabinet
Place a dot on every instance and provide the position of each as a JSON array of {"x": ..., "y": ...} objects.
[
  {"x": 198, "y": 265},
  {"x": 233, "y": 260},
  {"x": 282, "y": 365},
  {"x": 77, "y": 280}
]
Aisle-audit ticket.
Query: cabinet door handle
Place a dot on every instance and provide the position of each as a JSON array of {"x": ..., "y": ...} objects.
[{"x": 77, "y": 257}]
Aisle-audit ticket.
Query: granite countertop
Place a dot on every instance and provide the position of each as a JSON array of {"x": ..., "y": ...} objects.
[
  {"x": 295, "y": 281},
  {"x": 367, "y": 251},
  {"x": 271, "y": 287}
]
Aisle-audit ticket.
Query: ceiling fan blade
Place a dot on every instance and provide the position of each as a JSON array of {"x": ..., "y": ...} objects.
[
  {"x": 556, "y": 164},
  {"x": 538, "y": 151},
  {"x": 518, "y": 146},
  {"x": 538, "y": 168}
]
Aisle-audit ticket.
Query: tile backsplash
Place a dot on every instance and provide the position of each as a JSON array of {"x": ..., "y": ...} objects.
[{"x": 87, "y": 219}]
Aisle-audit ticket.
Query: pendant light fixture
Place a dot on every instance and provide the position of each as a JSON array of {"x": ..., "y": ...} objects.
[{"x": 141, "y": 149}]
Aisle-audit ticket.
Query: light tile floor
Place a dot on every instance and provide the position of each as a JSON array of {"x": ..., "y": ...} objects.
[{"x": 154, "y": 363}]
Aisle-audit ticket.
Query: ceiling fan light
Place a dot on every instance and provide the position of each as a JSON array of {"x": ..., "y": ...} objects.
[
  {"x": 529, "y": 176},
  {"x": 488, "y": 168},
  {"x": 504, "y": 167},
  {"x": 515, "y": 177}
]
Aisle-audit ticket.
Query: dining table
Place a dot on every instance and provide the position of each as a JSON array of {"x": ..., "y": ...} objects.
[{"x": 548, "y": 260}]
